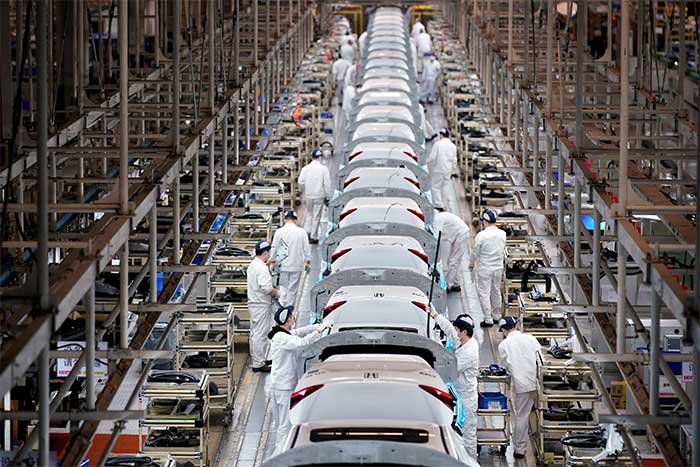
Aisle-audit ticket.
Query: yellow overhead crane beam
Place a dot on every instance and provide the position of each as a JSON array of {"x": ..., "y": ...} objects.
[{"x": 356, "y": 13}]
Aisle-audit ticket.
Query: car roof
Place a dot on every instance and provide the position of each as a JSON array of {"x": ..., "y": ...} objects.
[
  {"x": 371, "y": 402},
  {"x": 398, "y": 112},
  {"x": 385, "y": 177},
  {"x": 391, "y": 129},
  {"x": 396, "y": 213},
  {"x": 371, "y": 95},
  {"x": 371, "y": 313}
]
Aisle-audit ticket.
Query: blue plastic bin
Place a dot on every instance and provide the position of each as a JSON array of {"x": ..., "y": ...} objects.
[{"x": 487, "y": 400}]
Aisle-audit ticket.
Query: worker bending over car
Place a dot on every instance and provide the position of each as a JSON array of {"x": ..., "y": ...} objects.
[
  {"x": 487, "y": 262},
  {"x": 518, "y": 353},
  {"x": 291, "y": 254},
  {"x": 466, "y": 349},
  {"x": 260, "y": 306},
  {"x": 286, "y": 342},
  {"x": 454, "y": 246},
  {"x": 315, "y": 183}
]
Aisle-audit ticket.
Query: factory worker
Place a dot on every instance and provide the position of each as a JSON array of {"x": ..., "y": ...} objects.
[
  {"x": 489, "y": 250},
  {"x": 291, "y": 254},
  {"x": 425, "y": 46},
  {"x": 340, "y": 67},
  {"x": 429, "y": 132},
  {"x": 461, "y": 333},
  {"x": 519, "y": 354},
  {"x": 350, "y": 75},
  {"x": 454, "y": 245},
  {"x": 414, "y": 53},
  {"x": 417, "y": 28},
  {"x": 361, "y": 42},
  {"x": 348, "y": 95},
  {"x": 442, "y": 163},
  {"x": 315, "y": 183},
  {"x": 347, "y": 50},
  {"x": 286, "y": 341},
  {"x": 260, "y": 306},
  {"x": 431, "y": 72}
]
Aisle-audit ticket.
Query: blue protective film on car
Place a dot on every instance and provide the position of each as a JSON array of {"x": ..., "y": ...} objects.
[{"x": 459, "y": 408}]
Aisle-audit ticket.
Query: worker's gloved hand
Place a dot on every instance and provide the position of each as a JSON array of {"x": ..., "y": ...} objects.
[
  {"x": 455, "y": 175},
  {"x": 326, "y": 201},
  {"x": 431, "y": 138},
  {"x": 307, "y": 266}
]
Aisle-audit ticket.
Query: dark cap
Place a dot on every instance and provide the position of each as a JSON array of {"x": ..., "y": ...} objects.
[
  {"x": 507, "y": 322},
  {"x": 282, "y": 315},
  {"x": 261, "y": 247},
  {"x": 291, "y": 214}
]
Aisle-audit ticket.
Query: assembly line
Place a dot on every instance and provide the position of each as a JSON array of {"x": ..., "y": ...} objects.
[{"x": 240, "y": 233}]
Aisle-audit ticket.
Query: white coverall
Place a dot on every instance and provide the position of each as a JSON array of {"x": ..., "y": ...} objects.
[
  {"x": 414, "y": 53},
  {"x": 348, "y": 95},
  {"x": 291, "y": 251},
  {"x": 454, "y": 245},
  {"x": 428, "y": 130},
  {"x": 349, "y": 79},
  {"x": 425, "y": 45},
  {"x": 315, "y": 182},
  {"x": 347, "y": 51},
  {"x": 260, "y": 308},
  {"x": 361, "y": 42},
  {"x": 285, "y": 374},
  {"x": 417, "y": 29},
  {"x": 340, "y": 67},
  {"x": 488, "y": 253},
  {"x": 518, "y": 354},
  {"x": 431, "y": 71},
  {"x": 442, "y": 163},
  {"x": 466, "y": 383}
]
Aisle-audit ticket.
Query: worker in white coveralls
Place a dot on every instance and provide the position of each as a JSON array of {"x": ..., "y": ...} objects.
[
  {"x": 347, "y": 50},
  {"x": 518, "y": 353},
  {"x": 454, "y": 246},
  {"x": 428, "y": 131},
  {"x": 286, "y": 342},
  {"x": 340, "y": 67},
  {"x": 431, "y": 72},
  {"x": 466, "y": 348},
  {"x": 315, "y": 183},
  {"x": 361, "y": 43},
  {"x": 487, "y": 261},
  {"x": 416, "y": 29},
  {"x": 442, "y": 163},
  {"x": 291, "y": 254},
  {"x": 425, "y": 46},
  {"x": 348, "y": 95},
  {"x": 261, "y": 295}
]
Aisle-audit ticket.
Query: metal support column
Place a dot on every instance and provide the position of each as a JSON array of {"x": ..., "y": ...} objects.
[
  {"x": 654, "y": 344},
  {"x": 42, "y": 157},
  {"x": 595, "y": 275},
  {"x": 90, "y": 343},
  {"x": 124, "y": 106},
  {"x": 621, "y": 297},
  {"x": 153, "y": 253},
  {"x": 624, "y": 103},
  {"x": 44, "y": 392}
]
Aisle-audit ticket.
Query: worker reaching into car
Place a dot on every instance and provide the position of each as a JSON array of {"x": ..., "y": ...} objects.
[
  {"x": 315, "y": 183},
  {"x": 431, "y": 72},
  {"x": 488, "y": 253},
  {"x": 285, "y": 343},
  {"x": 466, "y": 348},
  {"x": 291, "y": 254},
  {"x": 348, "y": 95},
  {"x": 260, "y": 306},
  {"x": 518, "y": 353},
  {"x": 442, "y": 164},
  {"x": 454, "y": 246}
]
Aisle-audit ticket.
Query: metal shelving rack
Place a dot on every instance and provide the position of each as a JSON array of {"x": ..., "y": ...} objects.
[
  {"x": 194, "y": 423},
  {"x": 205, "y": 330},
  {"x": 495, "y": 434}
]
